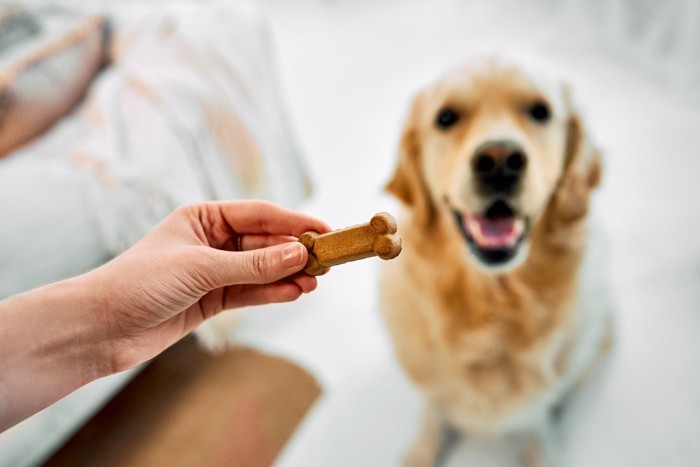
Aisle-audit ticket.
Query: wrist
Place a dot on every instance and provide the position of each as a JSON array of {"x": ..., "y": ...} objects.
[
  {"x": 92, "y": 325},
  {"x": 51, "y": 343}
]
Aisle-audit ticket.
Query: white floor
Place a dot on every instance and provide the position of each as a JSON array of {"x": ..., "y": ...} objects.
[{"x": 349, "y": 69}]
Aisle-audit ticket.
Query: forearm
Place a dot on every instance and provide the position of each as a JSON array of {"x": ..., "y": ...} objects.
[{"x": 51, "y": 343}]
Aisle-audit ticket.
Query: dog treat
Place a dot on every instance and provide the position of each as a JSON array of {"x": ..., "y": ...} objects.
[{"x": 375, "y": 238}]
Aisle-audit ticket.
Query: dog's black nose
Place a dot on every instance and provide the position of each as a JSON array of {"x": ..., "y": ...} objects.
[{"x": 498, "y": 166}]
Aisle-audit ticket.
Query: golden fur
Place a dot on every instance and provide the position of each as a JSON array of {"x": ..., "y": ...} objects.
[{"x": 488, "y": 346}]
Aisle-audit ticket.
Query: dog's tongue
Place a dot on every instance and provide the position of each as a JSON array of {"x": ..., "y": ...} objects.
[{"x": 494, "y": 233}]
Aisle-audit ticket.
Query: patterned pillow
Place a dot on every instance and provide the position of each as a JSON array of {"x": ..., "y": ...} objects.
[{"x": 41, "y": 79}]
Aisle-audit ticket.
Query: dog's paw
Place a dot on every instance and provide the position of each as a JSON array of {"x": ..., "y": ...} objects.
[
  {"x": 535, "y": 461},
  {"x": 539, "y": 450},
  {"x": 216, "y": 334},
  {"x": 422, "y": 455}
]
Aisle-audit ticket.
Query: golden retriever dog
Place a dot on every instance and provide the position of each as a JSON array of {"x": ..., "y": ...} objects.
[{"x": 489, "y": 306}]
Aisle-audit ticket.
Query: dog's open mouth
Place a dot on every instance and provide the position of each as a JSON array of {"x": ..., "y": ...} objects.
[{"x": 494, "y": 236}]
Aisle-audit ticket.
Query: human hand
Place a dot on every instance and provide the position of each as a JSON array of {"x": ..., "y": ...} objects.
[{"x": 200, "y": 260}]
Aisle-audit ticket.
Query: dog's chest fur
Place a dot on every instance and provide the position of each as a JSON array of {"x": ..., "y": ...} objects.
[{"x": 487, "y": 348}]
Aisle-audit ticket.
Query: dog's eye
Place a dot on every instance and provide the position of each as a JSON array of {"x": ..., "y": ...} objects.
[
  {"x": 539, "y": 112},
  {"x": 446, "y": 118}
]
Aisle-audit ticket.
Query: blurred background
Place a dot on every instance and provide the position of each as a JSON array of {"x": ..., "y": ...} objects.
[{"x": 128, "y": 109}]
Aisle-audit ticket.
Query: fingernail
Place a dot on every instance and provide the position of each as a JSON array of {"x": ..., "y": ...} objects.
[{"x": 293, "y": 255}]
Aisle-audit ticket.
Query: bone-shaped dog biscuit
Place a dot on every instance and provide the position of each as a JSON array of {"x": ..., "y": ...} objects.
[{"x": 375, "y": 238}]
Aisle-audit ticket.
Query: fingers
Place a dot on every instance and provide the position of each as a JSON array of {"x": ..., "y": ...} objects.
[
  {"x": 253, "y": 242},
  {"x": 218, "y": 224},
  {"x": 250, "y": 295},
  {"x": 259, "y": 266},
  {"x": 304, "y": 281},
  {"x": 258, "y": 217},
  {"x": 278, "y": 292}
]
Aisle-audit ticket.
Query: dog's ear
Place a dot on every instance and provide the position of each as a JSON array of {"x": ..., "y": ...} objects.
[
  {"x": 583, "y": 158},
  {"x": 582, "y": 168},
  {"x": 408, "y": 182}
]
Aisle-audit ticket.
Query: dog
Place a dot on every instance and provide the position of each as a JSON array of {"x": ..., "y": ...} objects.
[{"x": 490, "y": 306}]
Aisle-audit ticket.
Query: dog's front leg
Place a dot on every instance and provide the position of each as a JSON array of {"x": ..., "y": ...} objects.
[
  {"x": 432, "y": 441},
  {"x": 540, "y": 447}
]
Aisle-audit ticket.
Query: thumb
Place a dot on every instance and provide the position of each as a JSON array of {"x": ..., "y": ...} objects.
[{"x": 260, "y": 266}]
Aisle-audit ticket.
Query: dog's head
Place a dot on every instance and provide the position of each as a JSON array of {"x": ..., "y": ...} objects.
[{"x": 496, "y": 148}]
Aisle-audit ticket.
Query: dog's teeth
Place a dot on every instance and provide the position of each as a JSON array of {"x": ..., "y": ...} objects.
[
  {"x": 519, "y": 227},
  {"x": 474, "y": 228}
]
